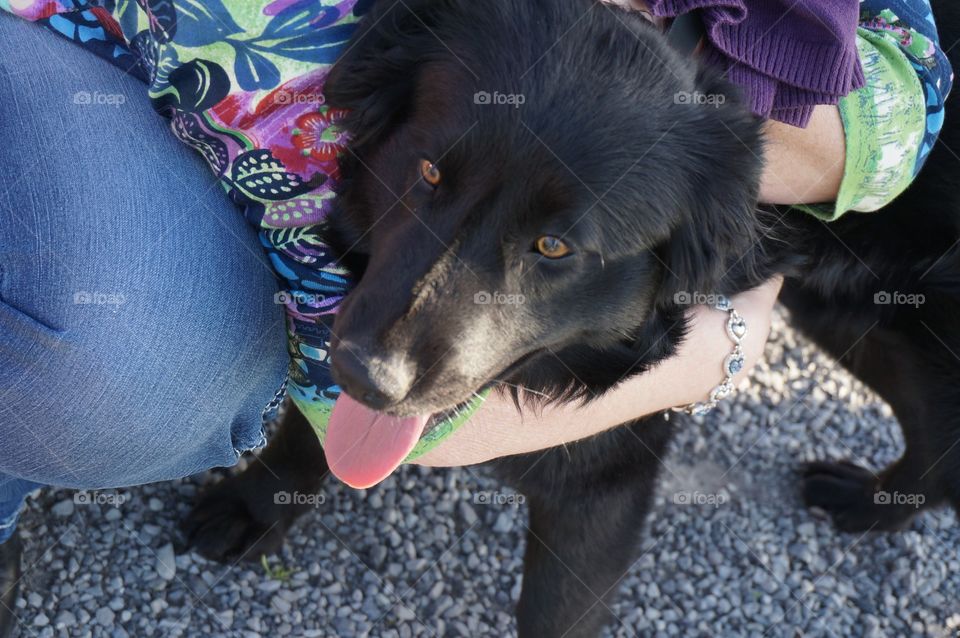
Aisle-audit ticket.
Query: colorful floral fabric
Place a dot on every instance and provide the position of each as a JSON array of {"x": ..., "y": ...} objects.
[
  {"x": 893, "y": 121},
  {"x": 910, "y": 25}
]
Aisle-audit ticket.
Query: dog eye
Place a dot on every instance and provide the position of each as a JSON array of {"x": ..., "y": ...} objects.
[
  {"x": 430, "y": 172},
  {"x": 552, "y": 247}
]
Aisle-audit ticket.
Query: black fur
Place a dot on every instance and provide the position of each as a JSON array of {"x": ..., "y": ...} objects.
[
  {"x": 11, "y": 573},
  {"x": 676, "y": 186}
]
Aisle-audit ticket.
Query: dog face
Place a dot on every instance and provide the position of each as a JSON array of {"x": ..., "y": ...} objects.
[{"x": 525, "y": 175}]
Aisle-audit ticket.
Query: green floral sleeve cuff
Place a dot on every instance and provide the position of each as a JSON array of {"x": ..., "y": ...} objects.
[{"x": 884, "y": 124}]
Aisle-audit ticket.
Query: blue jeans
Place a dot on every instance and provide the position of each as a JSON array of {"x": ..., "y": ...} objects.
[{"x": 139, "y": 338}]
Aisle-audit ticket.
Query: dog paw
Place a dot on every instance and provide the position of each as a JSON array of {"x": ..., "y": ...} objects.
[
  {"x": 849, "y": 494},
  {"x": 240, "y": 518}
]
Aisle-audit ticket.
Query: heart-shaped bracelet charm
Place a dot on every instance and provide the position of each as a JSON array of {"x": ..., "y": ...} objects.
[{"x": 736, "y": 327}]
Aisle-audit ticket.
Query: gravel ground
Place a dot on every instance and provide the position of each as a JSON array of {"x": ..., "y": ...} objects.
[{"x": 419, "y": 555}]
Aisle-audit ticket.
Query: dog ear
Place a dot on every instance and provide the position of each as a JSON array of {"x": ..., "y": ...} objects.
[
  {"x": 373, "y": 77},
  {"x": 719, "y": 236}
]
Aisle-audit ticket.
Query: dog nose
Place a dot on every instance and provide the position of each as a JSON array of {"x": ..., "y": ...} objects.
[{"x": 376, "y": 382}]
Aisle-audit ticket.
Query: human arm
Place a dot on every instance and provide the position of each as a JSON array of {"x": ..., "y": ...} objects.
[
  {"x": 497, "y": 429},
  {"x": 804, "y": 165}
]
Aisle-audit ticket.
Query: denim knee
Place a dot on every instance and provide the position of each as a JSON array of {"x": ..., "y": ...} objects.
[
  {"x": 139, "y": 338},
  {"x": 118, "y": 407}
]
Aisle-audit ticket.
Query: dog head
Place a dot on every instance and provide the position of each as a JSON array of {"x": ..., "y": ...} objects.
[{"x": 524, "y": 175}]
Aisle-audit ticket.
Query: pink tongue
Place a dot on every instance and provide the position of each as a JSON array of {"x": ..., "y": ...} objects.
[{"x": 363, "y": 446}]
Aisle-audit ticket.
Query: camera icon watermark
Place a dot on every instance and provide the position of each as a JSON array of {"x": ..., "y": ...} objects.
[
  {"x": 885, "y": 298},
  {"x": 882, "y": 497},
  {"x": 486, "y": 98},
  {"x": 487, "y": 298},
  {"x": 299, "y": 498},
  {"x": 696, "y": 98}
]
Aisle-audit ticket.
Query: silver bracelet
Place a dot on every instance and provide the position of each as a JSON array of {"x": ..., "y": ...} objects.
[{"x": 736, "y": 330}]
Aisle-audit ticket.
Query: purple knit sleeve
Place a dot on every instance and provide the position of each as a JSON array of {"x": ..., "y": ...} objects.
[{"x": 787, "y": 56}]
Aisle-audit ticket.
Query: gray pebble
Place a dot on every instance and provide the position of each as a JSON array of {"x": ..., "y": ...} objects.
[
  {"x": 166, "y": 563},
  {"x": 65, "y": 619},
  {"x": 279, "y": 604},
  {"x": 64, "y": 508},
  {"x": 468, "y": 514},
  {"x": 105, "y": 616},
  {"x": 504, "y": 523}
]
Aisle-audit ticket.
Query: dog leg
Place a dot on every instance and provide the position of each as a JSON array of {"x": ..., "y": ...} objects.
[
  {"x": 861, "y": 500},
  {"x": 911, "y": 369},
  {"x": 11, "y": 573},
  {"x": 248, "y": 515},
  {"x": 585, "y": 527}
]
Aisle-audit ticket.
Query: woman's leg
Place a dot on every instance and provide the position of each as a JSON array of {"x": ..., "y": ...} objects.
[{"x": 139, "y": 338}]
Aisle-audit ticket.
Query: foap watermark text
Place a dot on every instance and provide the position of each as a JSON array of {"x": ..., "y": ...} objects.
[
  {"x": 287, "y": 96},
  {"x": 899, "y": 498},
  {"x": 700, "y": 498},
  {"x": 299, "y": 297},
  {"x": 896, "y": 298},
  {"x": 299, "y": 498},
  {"x": 695, "y": 298},
  {"x": 716, "y": 100},
  {"x": 486, "y": 98},
  {"x": 498, "y": 498},
  {"x": 487, "y": 298},
  {"x": 94, "y": 298},
  {"x": 93, "y": 497},
  {"x": 96, "y": 98}
]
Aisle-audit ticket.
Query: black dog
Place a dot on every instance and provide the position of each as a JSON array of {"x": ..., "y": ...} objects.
[{"x": 597, "y": 200}]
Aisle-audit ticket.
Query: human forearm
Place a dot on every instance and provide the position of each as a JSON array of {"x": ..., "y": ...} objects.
[
  {"x": 497, "y": 430},
  {"x": 804, "y": 166}
]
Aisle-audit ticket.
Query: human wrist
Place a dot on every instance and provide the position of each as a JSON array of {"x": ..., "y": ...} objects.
[{"x": 698, "y": 365}]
